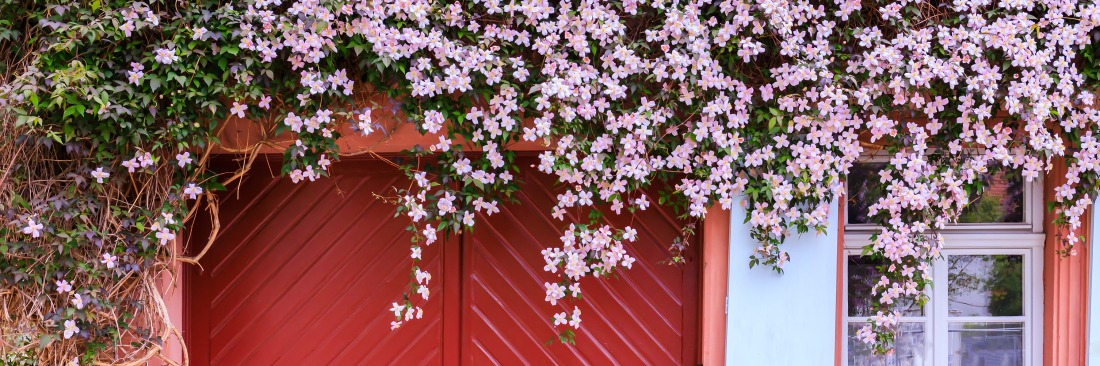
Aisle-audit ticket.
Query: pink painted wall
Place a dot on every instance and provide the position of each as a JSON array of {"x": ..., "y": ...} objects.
[
  {"x": 1065, "y": 289},
  {"x": 716, "y": 235},
  {"x": 171, "y": 289}
]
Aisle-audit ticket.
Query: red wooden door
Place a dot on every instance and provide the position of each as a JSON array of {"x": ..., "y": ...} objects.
[
  {"x": 646, "y": 316},
  {"x": 302, "y": 274}
]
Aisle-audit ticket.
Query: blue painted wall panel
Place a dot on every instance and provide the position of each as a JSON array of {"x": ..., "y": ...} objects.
[{"x": 787, "y": 319}]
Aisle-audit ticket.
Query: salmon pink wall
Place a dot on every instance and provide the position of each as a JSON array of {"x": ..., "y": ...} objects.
[
  {"x": 1065, "y": 289},
  {"x": 171, "y": 290},
  {"x": 716, "y": 241},
  {"x": 238, "y": 135},
  {"x": 1093, "y": 351}
]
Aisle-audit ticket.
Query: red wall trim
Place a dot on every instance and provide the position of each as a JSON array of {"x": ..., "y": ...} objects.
[
  {"x": 241, "y": 136},
  {"x": 1065, "y": 287},
  {"x": 716, "y": 242}
]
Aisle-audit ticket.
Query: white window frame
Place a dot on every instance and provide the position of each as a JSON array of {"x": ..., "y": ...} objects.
[{"x": 1024, "y": 239}]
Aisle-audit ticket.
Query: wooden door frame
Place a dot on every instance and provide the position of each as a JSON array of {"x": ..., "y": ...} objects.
[{"x": 707, "y": 338}]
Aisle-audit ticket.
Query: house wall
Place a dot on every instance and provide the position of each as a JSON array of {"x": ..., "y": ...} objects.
[
  {"x": 716, "y": 242},
  {"x": 1065, "y": 287},
  {"x": 769, "y": 312},
  {"x": 1066, "y": 294},
  {"x": 171, "y": 291}
]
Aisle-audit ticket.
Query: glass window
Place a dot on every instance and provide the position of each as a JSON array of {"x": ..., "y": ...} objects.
[
  {"x": 864, "y": 189},
  {"x": 985, "y": 285},
  {"x": 910, "y": 348},
  {"x": 982, "y": 317},
  {"x": 863, "y": 274},
  {"x": 1001, "y": 202},
  {"x": 985, "y": 300},
  {"x": 991, "y": 288},
  {"x": 986, "y": 343}
]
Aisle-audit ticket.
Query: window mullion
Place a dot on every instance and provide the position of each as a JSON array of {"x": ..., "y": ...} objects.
[{"x": 940, "y": 337}]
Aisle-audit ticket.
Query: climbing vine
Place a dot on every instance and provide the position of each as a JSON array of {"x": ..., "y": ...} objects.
[{"x": 110, "y": 110}]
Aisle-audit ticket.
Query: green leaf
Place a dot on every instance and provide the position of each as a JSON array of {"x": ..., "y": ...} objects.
[
  {"x": 95, "y": 5},
  {"x": 68, "y": 129},
  {"x": 18, "y": 200},
  {"x": 215, "y": 186}
]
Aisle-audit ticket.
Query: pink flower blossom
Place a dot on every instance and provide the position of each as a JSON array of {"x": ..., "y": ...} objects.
[
  {"x": 33, "y": 228},
  {"x": 71, "y": 329}
]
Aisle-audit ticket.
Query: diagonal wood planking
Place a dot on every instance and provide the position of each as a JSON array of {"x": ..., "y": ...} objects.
[
  {"x": 303, "y": 273},
  {"x": 643, "y": 317},
  {"x": 300, "y": 275}
]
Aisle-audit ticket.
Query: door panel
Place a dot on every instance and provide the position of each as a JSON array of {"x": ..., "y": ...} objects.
[
  {"x": 647, "y": 315},
  {"x": 298, "y": 275}
]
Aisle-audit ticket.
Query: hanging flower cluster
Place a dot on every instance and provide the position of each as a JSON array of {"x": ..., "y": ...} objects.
[
  {"x": 762, "y": 104},
  {"x": 764, "y": 100}
]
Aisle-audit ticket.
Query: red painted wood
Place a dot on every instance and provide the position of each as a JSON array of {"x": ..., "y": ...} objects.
[
  {"x": 452, "y": 299},
  {"x": 646, "y": 316},
  {"x": 306, "y": 274},
  {"x": 302, "y": 274}
]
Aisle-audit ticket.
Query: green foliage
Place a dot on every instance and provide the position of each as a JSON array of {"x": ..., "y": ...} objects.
[
  {"x": 987, "y": 209},
  {"x": 1006, "y": 286},
  {"x": 97, "y": 87},
  {"x": 71, "y": 110}
]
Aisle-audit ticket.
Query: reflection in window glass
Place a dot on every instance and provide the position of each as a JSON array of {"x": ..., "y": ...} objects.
[
  {"x": 977, "y": 344},
  {"x": 862, "y": 275},
  {"x": 864, "y": 189},
  {"x": 1001, "y": 202},
  {"x": 985, "y": 285},
  {"x": 910, "y": 348}
]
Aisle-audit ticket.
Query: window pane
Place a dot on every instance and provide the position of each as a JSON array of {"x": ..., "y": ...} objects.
[
  {"x": 1000, "y": 344},
  {"x": 862, "y": 277},
  {"x": 1001, "y": 202},
  {"x": 910, "y": 349},
  {"x": 864, "y": 189},
  {"x": 985, "y": 285}
]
